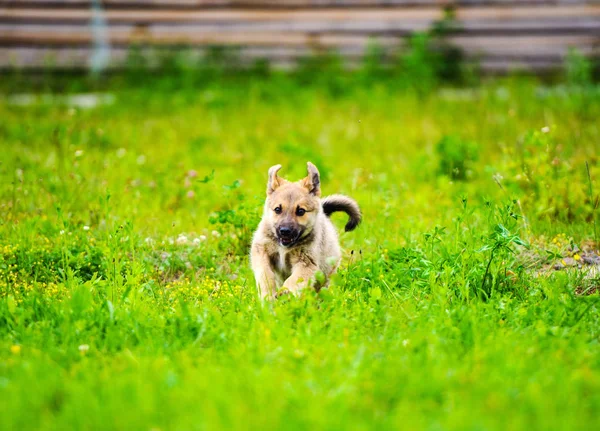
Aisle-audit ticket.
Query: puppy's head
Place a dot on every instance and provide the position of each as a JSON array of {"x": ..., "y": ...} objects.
[{"x": 292, "y": 207}]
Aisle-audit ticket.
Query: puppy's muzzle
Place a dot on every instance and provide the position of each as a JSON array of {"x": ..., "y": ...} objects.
[{"x": 287, "y": 235}]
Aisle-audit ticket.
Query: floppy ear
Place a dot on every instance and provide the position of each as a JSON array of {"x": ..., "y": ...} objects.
[
  {"x": 274, "y": 181},
  {"x": 313, "y": 181}
]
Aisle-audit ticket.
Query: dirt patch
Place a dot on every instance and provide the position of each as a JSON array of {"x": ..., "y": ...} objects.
[
  {"x": 589, "y": 290},
  {"x": 561, "y": 254}
]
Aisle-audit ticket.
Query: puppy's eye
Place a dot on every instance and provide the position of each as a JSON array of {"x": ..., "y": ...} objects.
[
  {"x": 300, "y": 212},
  {"x": 278, "y": 210}
]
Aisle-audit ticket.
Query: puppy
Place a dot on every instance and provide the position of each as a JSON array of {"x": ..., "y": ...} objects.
[{"x": 296, "y": 244}]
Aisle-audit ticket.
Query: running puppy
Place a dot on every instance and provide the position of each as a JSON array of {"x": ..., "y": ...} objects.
[{"x": 295, "y": 238}]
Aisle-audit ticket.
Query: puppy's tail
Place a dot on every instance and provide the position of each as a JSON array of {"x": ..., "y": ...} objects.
[{"x": 343, "y": 203}]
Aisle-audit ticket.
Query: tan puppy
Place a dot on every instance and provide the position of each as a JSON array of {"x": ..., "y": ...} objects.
[{"x": 296, "y": 244}]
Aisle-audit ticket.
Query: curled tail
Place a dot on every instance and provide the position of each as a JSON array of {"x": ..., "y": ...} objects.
[{"x": 343, "y": 203}]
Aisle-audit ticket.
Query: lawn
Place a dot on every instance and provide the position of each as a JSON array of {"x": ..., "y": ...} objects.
[{"x": 127, "y": 302}]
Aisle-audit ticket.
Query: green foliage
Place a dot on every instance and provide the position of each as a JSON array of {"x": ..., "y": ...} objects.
[
  {"x": 456, "y": 157},
  {"x": 323, "y": 69},
  {"x": 373, "y": 63},
  {"x": 451, "y": 66},
  {"x": 538, "y": 166},
  {"x": 419, "y": 64},
  {"x": 430, "y": 59},
  {"x": 126, "y": 298},
  {"x": 578, "y": 68}
]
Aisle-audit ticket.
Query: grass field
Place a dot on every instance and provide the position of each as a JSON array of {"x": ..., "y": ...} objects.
[{"x": 126, "y": 300}]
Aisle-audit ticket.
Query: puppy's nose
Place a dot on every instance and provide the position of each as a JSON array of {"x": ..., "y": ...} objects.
[{"x": 285, "y": 231}]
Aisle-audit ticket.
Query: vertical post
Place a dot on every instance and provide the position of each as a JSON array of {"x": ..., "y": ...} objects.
[{"x": 101, "y": 44}]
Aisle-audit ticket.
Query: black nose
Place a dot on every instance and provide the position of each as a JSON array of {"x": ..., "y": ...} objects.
[{"x": 285, "y": 231}]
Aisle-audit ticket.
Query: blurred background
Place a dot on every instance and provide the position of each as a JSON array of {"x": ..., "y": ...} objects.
[{"x": 493, "y": 36}]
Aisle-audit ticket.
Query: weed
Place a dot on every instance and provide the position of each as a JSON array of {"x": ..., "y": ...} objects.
[
  {"x": 457, "y": 157},
  {"x": 578, "y": 69},
  {"x": 594, "y": 202}
]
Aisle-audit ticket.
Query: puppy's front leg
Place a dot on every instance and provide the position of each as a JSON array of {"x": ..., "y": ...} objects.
[
  {"x": 263, "y": 273},
  {"x": 302, "y": 275}
]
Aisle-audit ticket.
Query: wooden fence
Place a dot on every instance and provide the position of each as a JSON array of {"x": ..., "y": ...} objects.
[{"x": 500, "y": 35}]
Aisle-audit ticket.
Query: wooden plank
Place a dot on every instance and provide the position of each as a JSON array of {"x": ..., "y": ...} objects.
[
  {"x": 168, "y": 35},
  {"x": 584, "y": 25},
  {"x": 171, "y": 36},
  {"x": 364, "y": 28},
  {"x": 148, "y": 36},
  {"x": 40, "y": 56},
  {"x": 44, "y": 59},
  {"x": 243, "y": 34},
  {"x": 530, "y": 46},
  {"x": 508, "y": 66},
  {"x": 174, "y": 4},
  {"x": 371, "y": 14},
  {"x": 52, "y": 56},
  {"x": 172, "y": 16},
  {"x": 556, "y": 26}
]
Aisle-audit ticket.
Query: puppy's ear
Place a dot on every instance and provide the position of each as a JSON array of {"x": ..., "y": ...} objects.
[
  {"x": 274, "y": 181},
  {"x": 313, "y": 181}
]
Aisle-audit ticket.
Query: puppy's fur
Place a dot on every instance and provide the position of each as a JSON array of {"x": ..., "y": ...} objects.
[{"x": 295, "y": 238}]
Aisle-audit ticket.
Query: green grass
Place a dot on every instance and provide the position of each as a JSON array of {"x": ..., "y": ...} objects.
[{"x": 126, "y": 300}]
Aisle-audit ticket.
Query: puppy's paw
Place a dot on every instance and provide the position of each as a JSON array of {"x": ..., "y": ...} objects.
[{"x": 282, "y": 292}]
